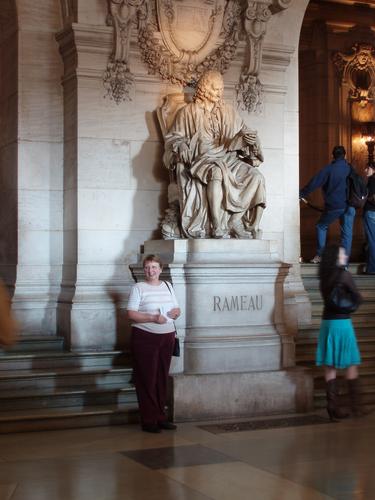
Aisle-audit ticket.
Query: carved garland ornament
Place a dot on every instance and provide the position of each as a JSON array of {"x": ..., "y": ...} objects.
[
  {"x": 357, "y": 70},
  {"x": 180, "y": 40}
]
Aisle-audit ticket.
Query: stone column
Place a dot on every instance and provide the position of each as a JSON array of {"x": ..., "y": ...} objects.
[
  {"x": 112, "y": 187},
  {"x": 31, "y": 163}
]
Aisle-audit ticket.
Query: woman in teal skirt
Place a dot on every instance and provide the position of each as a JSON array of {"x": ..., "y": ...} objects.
[{"x": 337, "y": 345}]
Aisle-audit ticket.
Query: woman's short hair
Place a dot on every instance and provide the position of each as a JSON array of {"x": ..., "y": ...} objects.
[{"x": 152, "y": 258}]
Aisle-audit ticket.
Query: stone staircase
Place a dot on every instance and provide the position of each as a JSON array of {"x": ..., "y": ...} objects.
[
  {"x": 364, "y": 324},
  {"x": 42, "y": 386}
]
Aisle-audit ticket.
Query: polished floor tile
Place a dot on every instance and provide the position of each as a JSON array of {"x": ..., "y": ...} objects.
[
  {"x": 239, "y": 481},
  {"x": 330, "y": 461},
  {"x": 7, "y": 490},
  {"x": 177, "y": 456}
]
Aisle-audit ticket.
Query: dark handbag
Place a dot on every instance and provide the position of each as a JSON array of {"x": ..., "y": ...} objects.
[
  {"x": 342, "y": 299},
  {"x": 176, "y": 348}
]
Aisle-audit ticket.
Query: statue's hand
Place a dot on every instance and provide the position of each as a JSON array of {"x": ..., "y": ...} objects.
[{"x": 184, "y": 152}]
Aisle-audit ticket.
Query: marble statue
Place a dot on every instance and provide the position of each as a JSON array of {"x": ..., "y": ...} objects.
[{"x": 217, "y": 189}]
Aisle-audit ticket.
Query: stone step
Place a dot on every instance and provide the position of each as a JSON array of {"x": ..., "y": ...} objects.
[
  {"x": 37, "y": 343},
  {"x": 64, "y": 377},
  {"x": 308, "y": 348},
  {"x": 68, "y": 397},
  {"x": 367, "y": 397},
  {"x": 53, "y": 360},
  {"x": 307, "y": 361},
  {"x": 311, "y": 332},
  {"x": 67, "y": 418},
  {"x": 367, "y": 378}
]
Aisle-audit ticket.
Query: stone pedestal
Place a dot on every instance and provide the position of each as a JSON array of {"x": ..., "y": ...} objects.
[{"x": 232, "y": 328}]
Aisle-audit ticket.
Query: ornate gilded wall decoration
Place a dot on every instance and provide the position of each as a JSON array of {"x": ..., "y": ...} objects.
[
  {"x": 181, "y": 39},
  {"x": 357, "y": 70}
]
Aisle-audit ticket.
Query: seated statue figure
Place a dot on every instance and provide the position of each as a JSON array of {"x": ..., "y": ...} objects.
[{"x": 219, "y": 192}]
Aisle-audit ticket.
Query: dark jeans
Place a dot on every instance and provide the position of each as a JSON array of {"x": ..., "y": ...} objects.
[
  {"x": 346, "y": 217},
  {"x": 152, "y": 354},
  {"x": 369, "y": 225}
]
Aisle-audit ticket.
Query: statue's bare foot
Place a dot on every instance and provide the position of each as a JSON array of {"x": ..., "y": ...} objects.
[
  {"x": 257, "y": 234},
  {"x": 239, "y": 231},
  {"x": 219, "y": 233}
]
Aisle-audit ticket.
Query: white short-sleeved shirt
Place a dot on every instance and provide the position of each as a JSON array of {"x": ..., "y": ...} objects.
[{"x": 153, "y": 299}]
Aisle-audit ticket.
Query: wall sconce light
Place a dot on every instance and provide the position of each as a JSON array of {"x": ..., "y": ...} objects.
[{"x": 368, "y": 137}]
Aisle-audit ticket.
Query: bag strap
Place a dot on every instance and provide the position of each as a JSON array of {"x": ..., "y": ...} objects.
[
  {"x": 170, "y": 291},
  {"x": 169, "y": 288}
]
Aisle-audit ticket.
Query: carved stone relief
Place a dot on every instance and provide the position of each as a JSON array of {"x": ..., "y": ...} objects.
[
  {"x": 357, "y": 70},
  {"x": 180, "y": 40},
  {"x": 69, "y": 11}
]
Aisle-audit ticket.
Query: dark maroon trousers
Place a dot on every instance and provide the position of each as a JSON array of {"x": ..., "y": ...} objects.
[{"x": 152, "y": 354}]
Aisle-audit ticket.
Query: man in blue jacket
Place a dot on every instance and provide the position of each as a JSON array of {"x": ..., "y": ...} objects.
[{"x": 332, "y": 179}]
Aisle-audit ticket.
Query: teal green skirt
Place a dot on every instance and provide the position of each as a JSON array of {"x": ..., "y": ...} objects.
[{"x": 337, "y": 344}]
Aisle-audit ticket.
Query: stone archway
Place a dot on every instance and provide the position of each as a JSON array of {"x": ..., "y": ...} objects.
[{"x": 325, "y": 119}]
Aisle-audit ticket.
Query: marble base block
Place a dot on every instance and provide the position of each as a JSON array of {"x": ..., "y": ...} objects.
[
  {"x": 232, "y": 298},
  {"x": 238, "y": 395},
  {"x": 237, "y": 352}
]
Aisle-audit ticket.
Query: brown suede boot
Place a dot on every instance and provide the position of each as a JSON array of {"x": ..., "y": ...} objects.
[
  {"x": 334, "y": 412},
  {"x": 355, "y": 398}
]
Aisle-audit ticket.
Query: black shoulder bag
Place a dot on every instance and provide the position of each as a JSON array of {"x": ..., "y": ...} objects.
[{"x": 343, "y": 300}]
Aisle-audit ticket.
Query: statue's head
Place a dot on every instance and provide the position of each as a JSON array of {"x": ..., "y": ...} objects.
[{"x": 210, "y": 87}]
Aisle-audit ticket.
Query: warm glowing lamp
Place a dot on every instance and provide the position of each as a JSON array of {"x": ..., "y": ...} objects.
[{"x": 368, "y": 136}]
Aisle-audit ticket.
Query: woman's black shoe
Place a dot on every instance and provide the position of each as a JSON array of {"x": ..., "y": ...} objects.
[
  {"x": 167, "y": 426},
  {"x": 154, "y": 428}
]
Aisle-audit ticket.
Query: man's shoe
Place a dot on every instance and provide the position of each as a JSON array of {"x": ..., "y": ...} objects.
[
  {"x": 153, "y": 428},
  {"x": 316, "y": 259},
  {"x": 167, "y": 426}
]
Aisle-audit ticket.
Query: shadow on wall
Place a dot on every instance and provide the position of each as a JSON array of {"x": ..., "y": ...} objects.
[{"x": 118, "y": 287}]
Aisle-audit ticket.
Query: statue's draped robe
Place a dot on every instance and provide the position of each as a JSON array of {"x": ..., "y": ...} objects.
[{"x": 214, "y": 139}]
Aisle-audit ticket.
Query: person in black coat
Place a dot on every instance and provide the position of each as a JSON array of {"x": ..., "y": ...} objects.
[{"x": 369, "y": 219}]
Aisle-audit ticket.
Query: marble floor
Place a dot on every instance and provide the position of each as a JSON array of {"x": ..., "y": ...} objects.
[{"x": 327, "y": 461}]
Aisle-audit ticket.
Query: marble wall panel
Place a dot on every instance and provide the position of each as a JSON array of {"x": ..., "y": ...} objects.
[
  {"x": 102, "y": 118},
  {"x": 148, "y": 171},
  {"x": 44, "y": 15},
  {"x": 270, "y": 125},
  {"x": 41, "y": 273},
  {"x": 104, "y": 164},
  {"x": 273, "y": 171},
  {"x": 40, "y": 210},
  {"x": 273, "y": 217},
  {"x": 39, "y": 57},
  {"x": 39, "y": 247},
  {"x": 92, "y": 12},
  {"x": 40, "y": 111},
  {"x": 116, "y": 209},
  {"x": 40, "y": 165},
  {"x": 95, "y": 246}
]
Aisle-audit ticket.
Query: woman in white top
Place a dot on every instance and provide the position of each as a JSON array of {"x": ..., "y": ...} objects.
[{"x": 152, "y": 308}]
